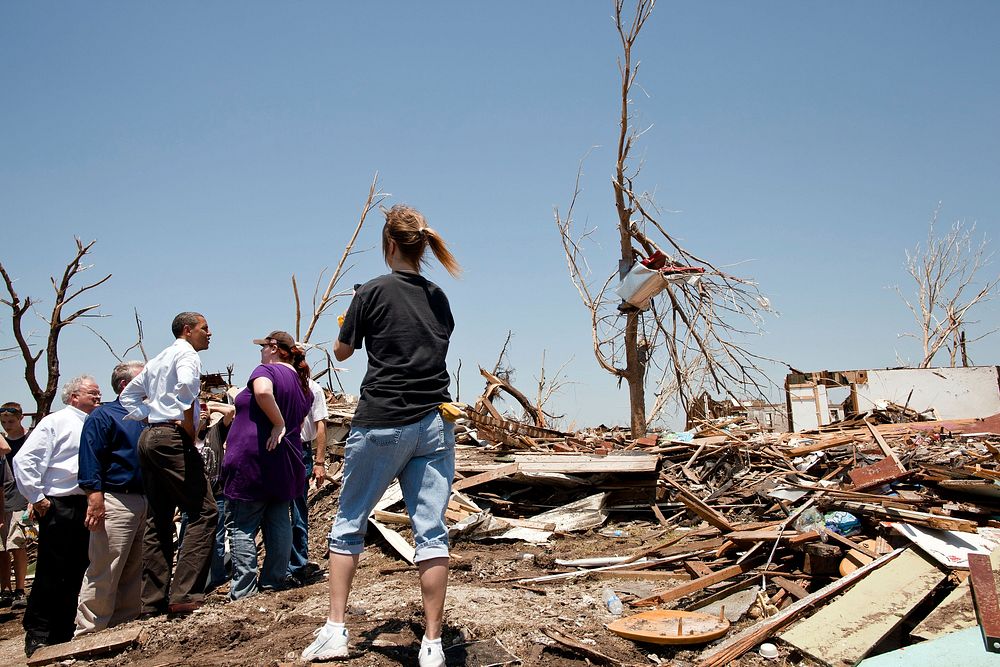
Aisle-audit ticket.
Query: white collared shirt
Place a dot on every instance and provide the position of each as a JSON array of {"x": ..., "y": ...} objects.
[
  {"x": 167, "y": 386},
  {"x": 48, "y": 461},
  {"x": 318, "y": 412}
]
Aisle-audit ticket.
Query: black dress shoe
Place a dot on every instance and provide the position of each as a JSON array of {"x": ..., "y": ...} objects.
[{"x": 32, "y": 644}]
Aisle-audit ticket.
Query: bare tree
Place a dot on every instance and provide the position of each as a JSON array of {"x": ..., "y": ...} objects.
[
  {"x": 691, "y": 334},
  {"x": 44, "y": 391},
  {"x": 945, "y": 272},
  {"x": 321, "y": 303}
]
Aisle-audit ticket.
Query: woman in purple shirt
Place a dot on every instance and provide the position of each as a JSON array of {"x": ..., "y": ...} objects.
[{"x": 262, "y": 468}]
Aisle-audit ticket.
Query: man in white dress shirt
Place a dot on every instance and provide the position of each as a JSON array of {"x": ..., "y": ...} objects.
[
  {"x": 45, "y": 470},
  {"x": 165, "y": 394}
]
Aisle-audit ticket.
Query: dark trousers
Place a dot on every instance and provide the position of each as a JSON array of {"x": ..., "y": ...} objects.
[
  {"x": 173, "y": 473},
  {"x": 300, "y": 519},
  {"x": 62, "y": 560}
]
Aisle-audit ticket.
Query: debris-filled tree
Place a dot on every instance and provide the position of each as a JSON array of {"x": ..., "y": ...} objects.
[
  {"x": 44, "y": 391},
  {"x": 945, "y": 271},
  {"x": 691, "y": 335}
]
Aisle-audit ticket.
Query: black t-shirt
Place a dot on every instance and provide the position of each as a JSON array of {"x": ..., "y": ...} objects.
[{"x": 404, "y": 322}]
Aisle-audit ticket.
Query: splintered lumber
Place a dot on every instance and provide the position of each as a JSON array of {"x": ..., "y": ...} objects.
[
  {"x": 488, "y": 476},
  {"x": 734, "y": 647},
  {"x": 92, "y": 644},
  {"x": 845, "y": 630},
  {"x": 695, "y": 504},
  {"x": 395, "y": 540},
  {"x": 573, "y": 643},
  {"x": 693, "y": 586},
  {"x": 984, "y": 593},
  {"x": 571, "y": 463},
  {"x": 909, "y": 516}
]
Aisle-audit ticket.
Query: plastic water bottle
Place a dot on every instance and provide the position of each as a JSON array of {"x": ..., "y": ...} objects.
[{"x": 612, "y": 602}]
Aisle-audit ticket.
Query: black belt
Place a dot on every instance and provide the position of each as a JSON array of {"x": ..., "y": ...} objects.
[{"x": 172, "y": 425}]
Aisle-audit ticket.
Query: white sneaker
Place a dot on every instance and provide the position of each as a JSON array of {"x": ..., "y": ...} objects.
[
  {"x": 431, "y": 655},
  {"x": 329, "y": 644}
]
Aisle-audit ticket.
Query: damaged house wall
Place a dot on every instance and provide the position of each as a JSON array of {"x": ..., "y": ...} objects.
[{"x": 952, "y": 393}]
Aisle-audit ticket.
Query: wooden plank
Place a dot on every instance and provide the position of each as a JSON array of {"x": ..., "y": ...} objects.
[
  {"x": 488, "y": 476},
  {"x": 571, "y": 463},
  {"x": 696, "y": 505},
  {"x": 844, "y": 631},
  {"x": 97, "y": 643},
  {"x": 641, "y": 575},
  {"x": 697, "y": 568},
  {"x": 984, "y": 594},
  {"x": 395, "y": 540},
  {"x": 693, "y": 586},
  {"x": 793, "y": 588}
]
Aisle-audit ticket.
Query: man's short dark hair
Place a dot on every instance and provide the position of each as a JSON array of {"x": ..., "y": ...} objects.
[{"x": 186, "y": 319}]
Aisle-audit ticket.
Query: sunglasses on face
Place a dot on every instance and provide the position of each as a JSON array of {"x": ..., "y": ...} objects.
[{"x": 13, "y": 411}]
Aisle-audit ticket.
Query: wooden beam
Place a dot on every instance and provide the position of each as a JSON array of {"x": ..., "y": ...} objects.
[
  {"x": 483, "y": 477},
  {"x": 693, "y": 586},
  {"x": 86, "y": 646},
  {"x": 696, "y": 505}
]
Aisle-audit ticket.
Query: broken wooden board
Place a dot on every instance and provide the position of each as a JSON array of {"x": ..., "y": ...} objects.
[
  {"x": 956, "y": 612},
  {"x": 984, "y": 594},
  {"x": 395, "y": 540},
  {"x": 696, "y": 505},
  {"x": 482, "y": 478},
  {"x": 845, "y": 630},
  {"x": 670, "y": 626},
  {"x": 570, "y": 463},
  {"x": 98, "y": 643},
  {"x": 583, "y": 514},
  {"x": 693, "y": 586},
  {"x": 877, "y": 474}
]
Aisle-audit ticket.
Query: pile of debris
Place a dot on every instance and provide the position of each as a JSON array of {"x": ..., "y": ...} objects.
[{"x": 840, "y": 543}]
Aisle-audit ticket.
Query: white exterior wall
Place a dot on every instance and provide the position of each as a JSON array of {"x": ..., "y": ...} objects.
[
  {"x": 954, "y": 393},
  {"x": 806, "y": 403}
]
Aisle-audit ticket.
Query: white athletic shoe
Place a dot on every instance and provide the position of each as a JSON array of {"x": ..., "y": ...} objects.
[
  {"x": 431, "y": 655},
  {"x": 329, "y": 644}
]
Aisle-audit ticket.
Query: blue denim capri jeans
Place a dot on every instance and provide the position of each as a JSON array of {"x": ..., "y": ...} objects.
[{"x": 422, "y": 456}]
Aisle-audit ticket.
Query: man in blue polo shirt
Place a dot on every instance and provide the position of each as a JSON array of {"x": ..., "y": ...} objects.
[{"x": 116, "y": 511}]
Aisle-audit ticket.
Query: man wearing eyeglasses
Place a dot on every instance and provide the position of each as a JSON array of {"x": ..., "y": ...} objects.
[{"x": 46, "y": 471}]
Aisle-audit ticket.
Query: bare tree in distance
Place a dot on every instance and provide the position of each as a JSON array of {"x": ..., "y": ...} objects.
[
  {"x": 690, "y": 337},
  {"x": 945, "y": 270},
  {"x": 322, "y": 302},
  {"x": 44, "y": 391}
]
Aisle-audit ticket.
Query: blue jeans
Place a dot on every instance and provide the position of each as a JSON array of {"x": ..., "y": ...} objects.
[
  {"x": 422, "y": 456},
  {"x": 243, "y": 519},
  {"x": 300, "y": 519}
]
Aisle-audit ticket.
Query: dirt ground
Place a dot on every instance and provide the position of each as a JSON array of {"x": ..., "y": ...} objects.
[{"x": 489, "y": 618}]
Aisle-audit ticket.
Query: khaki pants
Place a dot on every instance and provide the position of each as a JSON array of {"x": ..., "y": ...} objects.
[{"x": 111, "y": 587}]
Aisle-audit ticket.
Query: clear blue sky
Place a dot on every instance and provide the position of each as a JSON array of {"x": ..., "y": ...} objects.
[{"x": 213, "y": 149}]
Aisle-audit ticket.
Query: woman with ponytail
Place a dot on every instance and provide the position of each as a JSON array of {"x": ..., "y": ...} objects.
[
  {"x": 404, "y": 323},
  {"x": 262, "y": 468}
]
